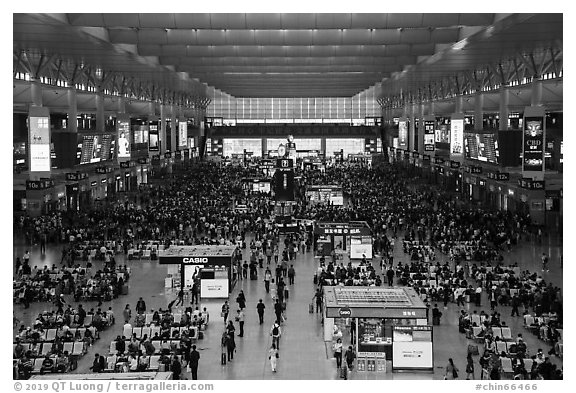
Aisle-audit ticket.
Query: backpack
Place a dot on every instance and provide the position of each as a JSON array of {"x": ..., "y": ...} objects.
[{"x": 275, "y": 331}]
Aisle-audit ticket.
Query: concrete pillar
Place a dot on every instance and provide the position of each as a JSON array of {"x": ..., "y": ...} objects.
[
  {"x": 163, "y": 142},
  {"x": 420, "y": 141},
  {"x": 72, "y": 125},
  {"x": 458, "y": 104},
  {"x": 152, "y": 108},
  {"x": 503, "y": 111},
  {"x": 479, "y": 111},
  {"x": 412, "y": 128},
  {"x": 121, "y": 105},
  {"x": 323, "y": 146},
  {"x": 536, "y": 94},
  {"x": 174, "y": 128},
  {"x": 100, "y": 121},
  {"x": 431, "y": 108},
  {"x": 36, "y": 92}
]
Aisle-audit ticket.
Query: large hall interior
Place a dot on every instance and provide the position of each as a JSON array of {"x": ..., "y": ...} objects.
[{"x": 288, "y": 196}]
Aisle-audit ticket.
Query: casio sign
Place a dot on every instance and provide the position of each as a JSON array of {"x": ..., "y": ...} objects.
[
  {"x": 345, "y": 312},
  {"x": 195, "y": 260}
]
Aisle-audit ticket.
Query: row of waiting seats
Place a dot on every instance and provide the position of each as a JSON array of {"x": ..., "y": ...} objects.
[
  {"x": 51, "y": 334},
  {"x": 151, "y": 331},
  {"x": 114, "y": 365},
  {"x": 77, "y": 348},
  {"x": 159, "y": 345},
  {"x": 508, "y": 369},
  {"x": 505, "y": 333},
  {"x": 150, "y": 317}
]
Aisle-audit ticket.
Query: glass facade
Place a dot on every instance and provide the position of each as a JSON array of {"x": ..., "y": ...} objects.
[
  {"x": 301, "y": 143},
  {"x": 237, "y": 146},
  {"x": 342, "y": 109},
  {"x": 349, "y": 145}
]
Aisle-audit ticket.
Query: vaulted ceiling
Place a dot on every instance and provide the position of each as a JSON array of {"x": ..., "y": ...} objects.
[{"x": 286, "y": 55}]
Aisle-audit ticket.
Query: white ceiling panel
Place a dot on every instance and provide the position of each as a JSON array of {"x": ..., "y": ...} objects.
[
  {"x": 299, "y": 52},
  {"x": 164, "y": 21}
]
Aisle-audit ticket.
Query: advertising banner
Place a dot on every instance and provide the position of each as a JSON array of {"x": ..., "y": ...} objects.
[
  {"x": 533, "y": 144},
  {"x": 412, "y": 348},
  {"x": 217, "y": 288},
  {"x": 361, "y": 247},
  {"x": 182, "y": 133},
  {"x": 124, "y": 137},
  {"x": 429, "y": 135},
  {"x": 403, "y": 133},
  {"x": 39, "y": 142},
  {"x": 154, "y": 139},
  {"x": 456, "y": 136}
]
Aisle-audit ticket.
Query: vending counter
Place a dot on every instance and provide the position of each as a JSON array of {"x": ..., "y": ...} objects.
[
  {"x": 211, "y": 265},
  {"x": 391, "y": 326}
]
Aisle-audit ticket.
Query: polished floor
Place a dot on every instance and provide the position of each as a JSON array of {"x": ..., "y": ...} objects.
[{"x": 303, "y": 353}]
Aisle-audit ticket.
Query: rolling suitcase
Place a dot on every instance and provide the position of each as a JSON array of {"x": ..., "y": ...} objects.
[
  {"x": 124, "y": 289},
  {"x": 311, "y": 308}
]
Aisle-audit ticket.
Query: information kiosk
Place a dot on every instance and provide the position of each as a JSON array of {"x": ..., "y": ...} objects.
[
  {"x": 325, "y": 194},
  {"x": 391, "y": 326},
  {"x": 210, "y": 265}
]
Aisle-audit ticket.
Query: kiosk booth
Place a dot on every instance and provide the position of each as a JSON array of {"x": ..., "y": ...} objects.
[
  {"x": 253, "y": 184},
  {"x": 391, "y": 325},
  {"x": 210, "y": 265},
  {"x": 326, "y": 194},
  {"x": 354, "y": 237}
]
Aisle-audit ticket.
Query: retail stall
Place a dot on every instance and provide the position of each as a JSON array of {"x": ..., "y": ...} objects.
[
  {"x": 211, "y": 266},
  {"x": 391, "y": 325},
  {"x": 355, "y": 237}
]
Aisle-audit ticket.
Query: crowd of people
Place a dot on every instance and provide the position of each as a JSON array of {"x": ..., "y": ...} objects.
[{"x": 198, "y": 207}]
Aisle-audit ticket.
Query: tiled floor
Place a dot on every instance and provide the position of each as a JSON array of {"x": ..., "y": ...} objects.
[{"x": 303, "y": 354}]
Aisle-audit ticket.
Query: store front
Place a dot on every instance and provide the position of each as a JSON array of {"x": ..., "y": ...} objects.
[
  {"x": 210, "y": 266},
  {"x": 355, "y": 237},
  {"x": 392, "y": 327}
]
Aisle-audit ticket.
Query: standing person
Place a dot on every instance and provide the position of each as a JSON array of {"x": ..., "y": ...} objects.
[
  {"x": 451, "y": 370},
  {"x": 194, "y": 292},
  {"x": 390, "y": 276},
  {"x": 478, "y": 296},
  {"x": 276, "y": 332},
  {"x": 493, "y": 298},
  {"x": 469, "y": 366},
  {"x": 515, "y": 303},
  {"x": 338, "y": 352},
  {"x": 127, "y": 313},
  {"x": 436, "y": 314},
  {"x": 267, "y": 278},
  {"x": 291, "y": 274},
  {"x": 241, "y": 300},
  {"x": 273, "y": 356},
  {"x": 260, "y": 308},
  {"x": 194, "y": 358},
  {"x": 350, "y": 356},
  {"x": 225, "y": 311},
  {"x": 318, "y": 296},
  {"x": 240, "y": 320},
  {"x": 544, "y": 261},
  {"x": 224, "y": 347},
  {"x": 230, "y": 345},
  {"x": 141, "y": 306},
  {"x": 176, "y": 367}
]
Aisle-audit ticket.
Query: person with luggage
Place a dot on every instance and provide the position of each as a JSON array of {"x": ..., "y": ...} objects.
[
  {"x": 319, "y": 298},
  {"x": 451, "y": 370}
]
